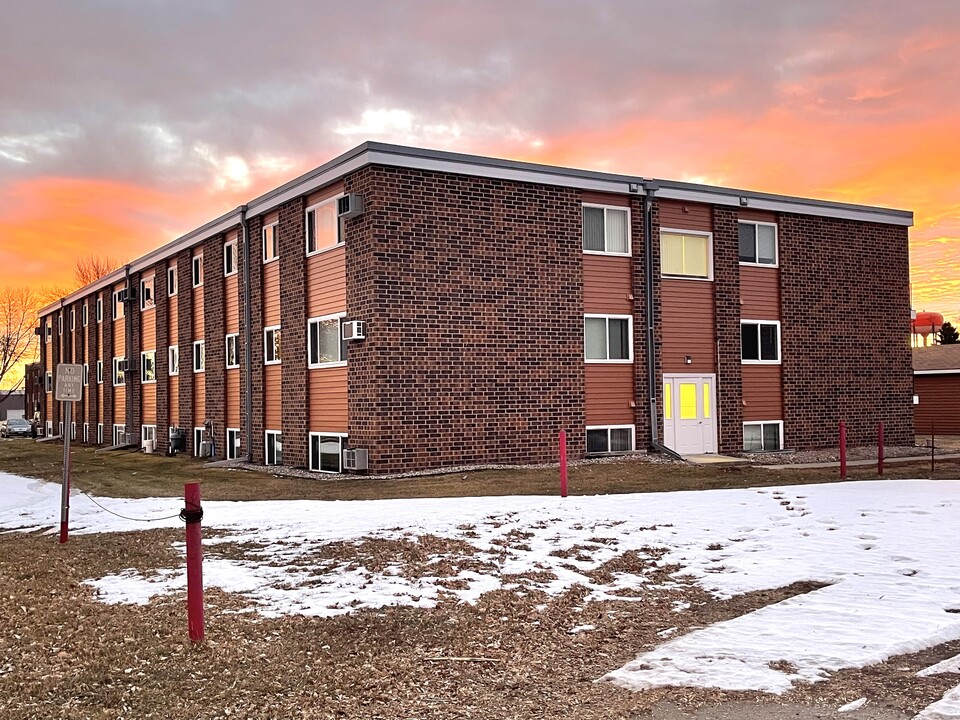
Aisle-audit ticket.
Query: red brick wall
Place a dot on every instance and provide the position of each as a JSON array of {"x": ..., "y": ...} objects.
[
  {"x": 254, "y": 225},
  {"x": 845, "y": 308},
  {"x": 185, "y": 343},
  {"x": 726, "y": 293},
  {"x": 215, "y": 387},
  {"x": 163, "y": 368},
  {"x": 471, "y": 290},
  {"x": 106, "y": 327},
  {"x": 92, "y": 345},
  {"x": 640, "y": 349},
  {"x": 293, "y": 310},
  {"x": 132, "y": 376}
]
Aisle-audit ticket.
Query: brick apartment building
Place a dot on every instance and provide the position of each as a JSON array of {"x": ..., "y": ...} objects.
[{"x": 439, "y": 309}]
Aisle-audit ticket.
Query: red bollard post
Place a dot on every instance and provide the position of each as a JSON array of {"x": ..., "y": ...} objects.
[
  {"x": 192, "y": 514},
  {"x": 563, "y": 463},
  {"x": 843, "y": 450},
  {"x": 880, "y": 449}
]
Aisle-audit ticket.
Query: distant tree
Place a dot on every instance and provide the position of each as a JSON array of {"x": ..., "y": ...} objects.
[
  {"x": 948, "y": 334},
  {"x": 94, "y": 267},
  {"x": 18, "y": 312}
]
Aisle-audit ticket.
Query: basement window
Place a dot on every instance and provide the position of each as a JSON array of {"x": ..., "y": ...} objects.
[
  {"x": 766, "y": 436},
  {"x": 326, "y": 452},
  {"x": 273, "y": 447},
  {"x": 609, "y": 439},
  {"x": 606, "y": 230},
  {"x": 233, "y": 443}
]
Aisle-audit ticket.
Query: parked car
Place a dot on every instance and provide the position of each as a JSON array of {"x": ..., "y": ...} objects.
[{"x": 16, "y": 427}]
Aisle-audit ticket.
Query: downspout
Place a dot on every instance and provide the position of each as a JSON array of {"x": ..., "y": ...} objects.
[
  {"x": 128, "y": 346},
  {"x": 650, "y": 188},
  {"x": 247, "y": 335}
]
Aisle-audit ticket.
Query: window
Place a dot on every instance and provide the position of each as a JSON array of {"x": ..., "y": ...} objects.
[
  {"x": 686, "y": 254},
  {"x": 274, "y": 448},
  {"x": 765, "y": 436},
  {"x": 86, "y": 374},
  {"x": 148, "y": 433},
  {"x": 758, "y": 243},
  {"x": 148, "y": 366},
  {"x": 99, "y": 309},
  {"x": 608, "y": 338},
  {"x": 99, "y": 371},
  {"x": 86, "y": 432},
  {"x": 759, "y": 341},
  {"x": 230, "y": 258},
  {"x": 615, "y": 438},
  {"x": 233, "y": 443},
  {"x": 119, "y": 370},
  {"x": 147, "y": 300},
  {"x": 232, "y": 354},
  {"x": 198, "y": 433},
  {"x": 59, "y": 324},
  {"x": 199, "y": 356},
  {"x": 119, "y": 297},
  {"x": 324, "y": 227},
  {"x": 172, "y": 280},
  {"x": 198, "y": 270},
  {"x": 119, "y": 434},
  {"x": 48, "y": 381},
  {"x": 606, "y": 230},
  {"x": 60, "y": 428},
  {"x": 271, "y": 243},
  {"x": 326, "y": 452},
  {"x": 49, "y": 428},
  {"x": 271, "y": 345},
  {"x": 73, "y": 319},
  {"x": 173, "y": 360},
  {"x": 84, "y": 314},
  {"x": 48, "y": 330},
  {"x": 99, "y": 433},
  {"x": 325, "y": 343}
]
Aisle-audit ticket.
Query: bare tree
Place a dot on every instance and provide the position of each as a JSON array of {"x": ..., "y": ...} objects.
[
  {"x": 94, "y": 267},
  {"x": 18, "y": 311}
]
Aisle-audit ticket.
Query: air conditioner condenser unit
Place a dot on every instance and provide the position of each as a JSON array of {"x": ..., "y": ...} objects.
[{"x": 355, "y": 459}]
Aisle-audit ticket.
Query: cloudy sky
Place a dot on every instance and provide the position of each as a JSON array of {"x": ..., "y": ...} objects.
[{"x": 126, "y": 123}]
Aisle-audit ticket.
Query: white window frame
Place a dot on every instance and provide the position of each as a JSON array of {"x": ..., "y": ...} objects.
[
  {"x": 86, "y": 374},
  {"x": 235, "y": 337},
  {"x": 48, "y": 381},
  {"x": 119, "y": 430},
  {"x": 147, "y": 432},
  {"x": 761, "y": 423},
  {"x": 756, "y": 243},
  {"x": 99, "y": 372},
  {"x": 196, "y": 270},
  {"x": 310, "y": 233},
  {"x": 697, "y": 233},
  {"x": 60, "y": 324},
  {"x": 199, "y": 357},
  {"x": 152, "y": 354},
  {"x": 173, "y": 360},
  {"x": 60, "y": 428},
  {"x": 198, "y": 434},
  {"x": 758, "y": 323},
  {"x": 49, "y": 430},
  {"x": 605, "y": 208},
  {"x": 232, "y": 448},
  {"x": 99, "y": 309},
  {"x": 172, "y": 281},
  {"x": 273, "y": 331},
  {"x": 313, "y": 463},
  {"x": 117, "y": 373},
  {"x": 48, "y": 329},
  {"x": 148, "y": 301},
  {"x": 73, "y": 319},
  {"x": 73, "y": 429},
  {"x": 596, "y": 361},
  {"x": 342, "y": 361},
  {"x": 266, "y": 447},
  {"x": 86, "y": 432},
  {"x": 99, "y": 433},
  {"x": 119, "y": 300},
  {"x": 274, "y": 227},
  {"x": 608, "y": 428},
  {"x": 84, "y": 314},
  {"x": 230, "y": 250}
]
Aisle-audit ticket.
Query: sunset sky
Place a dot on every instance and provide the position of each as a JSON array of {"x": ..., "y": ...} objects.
[{"x": 126, "y": 123}]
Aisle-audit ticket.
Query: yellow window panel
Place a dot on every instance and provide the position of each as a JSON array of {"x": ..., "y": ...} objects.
[
  {"x": 667, "y": 401},
  {"x": 706, "y": 400},
  {"x": 688, "y": 401}
]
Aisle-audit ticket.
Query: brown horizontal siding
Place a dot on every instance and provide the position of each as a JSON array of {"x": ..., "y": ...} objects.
[
  {"x": 762, "y": 392},
  {"x": 148, "y": 398},
  {"x": 759, "y": 293},
  {"x": 198, "y": 327},
  {"x": 938, "y": 404},
  {"x": 231, "y": 305},
  {"x": 271, "y": 294},
  {"x": 608, "y": 394},
  {"x": 119, "y": 402},
  {"x": 319, "y": 196},
  {"x": 678, "y": 215},
  {"x": 688, "y": 326},
  {"x": 233, "y": 398},
  {"x": 598, "y": 198},
  {"x": 272, "y": 412},
  {"x": 326, "y": 283},
  {"x": 199, "y": 399},
  {"x": 148, "y": 330},
  {"x": 328, "y": 399},
  {"x": 174, "y": 393},
  {"x": 607, "y": 285},
  {"x": 756, "y": 215}
]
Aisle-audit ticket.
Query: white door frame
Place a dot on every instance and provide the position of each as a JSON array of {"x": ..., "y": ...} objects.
[{"x": 707, "y": 443}]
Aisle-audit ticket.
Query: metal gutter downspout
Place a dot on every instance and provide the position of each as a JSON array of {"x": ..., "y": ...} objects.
[
  {"x": 650, "y": 187},
  {"x": 247, "y": 335}
]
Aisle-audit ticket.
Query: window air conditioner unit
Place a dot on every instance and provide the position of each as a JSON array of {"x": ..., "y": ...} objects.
[
  {"x": 355, "y": 459},
  {"x": 206, "y": 449},
  {"x": 122, "y": 366},
  {"x": 349, "y": 206},
  {"x": 354, "y": 330},
  {"x": 129, "y": 438},
  {"x": 130, "y": 295}
]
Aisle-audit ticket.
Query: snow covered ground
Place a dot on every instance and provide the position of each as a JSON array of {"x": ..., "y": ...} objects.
[{"x": 886, "y": 552}]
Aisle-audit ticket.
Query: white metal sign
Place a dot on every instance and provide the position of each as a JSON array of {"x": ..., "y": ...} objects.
[{"x": 69, "y": 382}]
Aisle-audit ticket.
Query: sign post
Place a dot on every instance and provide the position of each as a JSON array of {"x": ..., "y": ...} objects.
[{"x": 69, "y": 388}]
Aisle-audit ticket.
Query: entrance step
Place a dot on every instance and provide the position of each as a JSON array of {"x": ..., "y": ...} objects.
[{"x": 713, "y": 459}]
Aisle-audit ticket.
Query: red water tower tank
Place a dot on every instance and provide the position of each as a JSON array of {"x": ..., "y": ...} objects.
[{"x": 926, "y": 323}]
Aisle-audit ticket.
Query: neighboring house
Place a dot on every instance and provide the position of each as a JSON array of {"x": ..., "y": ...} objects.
[
  {"x": 439, "y": 309},
  {"x": 11, "y": 406},
  {"x": 936, "y": 383}
]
